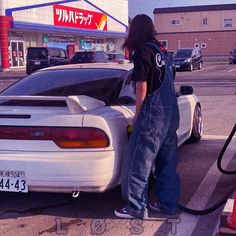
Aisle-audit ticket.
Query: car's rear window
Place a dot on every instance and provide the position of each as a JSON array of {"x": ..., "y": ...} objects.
[
  {"x": 85, "y": 55},
  {"x": 183, "y": 53},
  {"x": 112, "y": 56},
  {"x": 120, "y": 56},
  {"x": 37, "y": 53},
  {"x": 116, "y": 56},
  {"x": 102, "y": 84}
]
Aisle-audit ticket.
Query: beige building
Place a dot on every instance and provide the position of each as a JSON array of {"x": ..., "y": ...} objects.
[{"x": 211, "y": 28}]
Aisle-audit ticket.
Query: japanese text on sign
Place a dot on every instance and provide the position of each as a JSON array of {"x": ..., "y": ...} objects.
[{"x": 74, "y": 17}]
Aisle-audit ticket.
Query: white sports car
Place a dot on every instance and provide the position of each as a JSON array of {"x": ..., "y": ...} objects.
[{"x": 64, "y": 129}]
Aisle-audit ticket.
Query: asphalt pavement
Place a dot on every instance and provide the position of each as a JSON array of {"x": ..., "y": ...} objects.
[
  {"x": 201, "y": 183},
  {"x": 17, "y": 73}
]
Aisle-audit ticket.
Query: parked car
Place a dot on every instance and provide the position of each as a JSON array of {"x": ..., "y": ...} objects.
[
  {"x": 117, "y": 57},
  {"x": 188, "y": 59},
  {"x": 64, "y": 128},
  {"x": 89, "y": 57},
  {"x": 41, "y": 57},
  {"x": 232, "y": 57},
  {"x": 170, "y": 54}
]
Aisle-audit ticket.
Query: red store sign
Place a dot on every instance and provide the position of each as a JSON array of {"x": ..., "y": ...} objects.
[{"x": 78, "y": 18}]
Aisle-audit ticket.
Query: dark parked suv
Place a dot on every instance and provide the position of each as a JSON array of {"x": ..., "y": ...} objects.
[
  {"x": 232, "y": 57},
  {"x": 89, "y": 57},
  {"x": 188, "y": 59},
  {"x": 41, "y": 57}
]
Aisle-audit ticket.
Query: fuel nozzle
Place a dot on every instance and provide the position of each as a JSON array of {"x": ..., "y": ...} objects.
[{"x": 129, "y": 130}]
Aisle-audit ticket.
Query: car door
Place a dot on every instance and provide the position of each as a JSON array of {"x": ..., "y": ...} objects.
[
  {"x": 98, "y": 56},
  {"x": 53, "y": 55},
  {"x": 105, "y": 57},
  {"x": 63, "y": 58},
  {"x": 185, "y": 118}
]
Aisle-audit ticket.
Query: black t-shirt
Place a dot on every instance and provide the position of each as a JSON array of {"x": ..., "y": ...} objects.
[{"x": 149, "y": 67}]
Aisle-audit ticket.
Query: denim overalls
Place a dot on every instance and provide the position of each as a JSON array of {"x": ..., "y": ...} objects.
[{"x": 153, "y": 141}]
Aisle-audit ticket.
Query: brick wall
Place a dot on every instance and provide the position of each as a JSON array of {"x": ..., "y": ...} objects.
[
  {"x": 205, "y": 26},
  {"x": 217, "y": 43}
]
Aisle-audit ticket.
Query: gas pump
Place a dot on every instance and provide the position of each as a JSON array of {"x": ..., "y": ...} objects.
[{"x": 0, "y": 60}]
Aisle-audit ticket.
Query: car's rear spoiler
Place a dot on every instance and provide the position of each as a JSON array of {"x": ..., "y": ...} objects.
[{"x": 76, "y": 104}]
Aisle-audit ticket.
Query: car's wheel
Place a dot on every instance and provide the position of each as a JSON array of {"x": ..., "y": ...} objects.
[
  {"x": 191, "y": 67},
  {"x": 196, "y": 133},
  {"x": 200, "y": 66}
]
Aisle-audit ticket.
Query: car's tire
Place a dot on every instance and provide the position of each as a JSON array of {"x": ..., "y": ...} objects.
[
  {"x": 28, "y": 71},
  {"x": 191, "y": 67},
  {"x": 197, "y": 128},
  {"x": 200, "y": 66}
]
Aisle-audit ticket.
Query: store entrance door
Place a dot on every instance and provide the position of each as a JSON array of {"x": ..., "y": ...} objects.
[{"x": 17, "y": 53}]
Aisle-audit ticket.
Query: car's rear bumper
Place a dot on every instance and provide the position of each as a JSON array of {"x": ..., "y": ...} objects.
[
  {"x": 68, "y": 172},
  {"x": 184, "y": 66}
]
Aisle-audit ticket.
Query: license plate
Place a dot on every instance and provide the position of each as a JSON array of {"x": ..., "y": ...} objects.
[
  {"x": 177, "y": 66},
  {"x": 37, "y": 63},
  {"x": 13, "y": 181}
]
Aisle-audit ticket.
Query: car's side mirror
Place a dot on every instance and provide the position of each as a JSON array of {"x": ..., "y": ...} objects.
[{"x": 186, "y": 90}]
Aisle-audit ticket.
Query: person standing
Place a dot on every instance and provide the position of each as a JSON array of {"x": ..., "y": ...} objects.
[{"x": 153, "y": 139}]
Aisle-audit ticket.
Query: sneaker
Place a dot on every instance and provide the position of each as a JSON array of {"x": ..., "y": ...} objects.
[
  {"x": 123, "y": 213},
  {"x": 155, "y": 206}
]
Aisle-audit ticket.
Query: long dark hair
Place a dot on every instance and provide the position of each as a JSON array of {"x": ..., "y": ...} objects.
[{"x": 141, "y": 30}]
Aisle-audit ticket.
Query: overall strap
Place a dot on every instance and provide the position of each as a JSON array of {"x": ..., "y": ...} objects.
[
  {"x": 167, "y": 59},
  {"x": 164, "y": 54},
  {"x": 156, "y": 47}
]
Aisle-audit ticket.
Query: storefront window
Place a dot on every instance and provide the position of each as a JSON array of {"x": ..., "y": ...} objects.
[
  {"x": 110, "y": 45},
  {"x": 55, "y": 40},
  {"x": 92, "y": 43}
]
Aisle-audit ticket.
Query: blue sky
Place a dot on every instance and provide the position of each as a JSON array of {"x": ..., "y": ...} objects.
[
  {"x": 141, "y": 6},
  {"x": 170, "y": 3}
]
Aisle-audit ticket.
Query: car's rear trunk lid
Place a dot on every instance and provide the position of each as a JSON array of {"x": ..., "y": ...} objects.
[{"x": 34, "y": 128}]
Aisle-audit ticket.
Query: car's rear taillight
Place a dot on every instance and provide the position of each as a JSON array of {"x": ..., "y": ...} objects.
[
  {"x": 84, "y": 137},
  {"x": 64, "y": 137}
]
